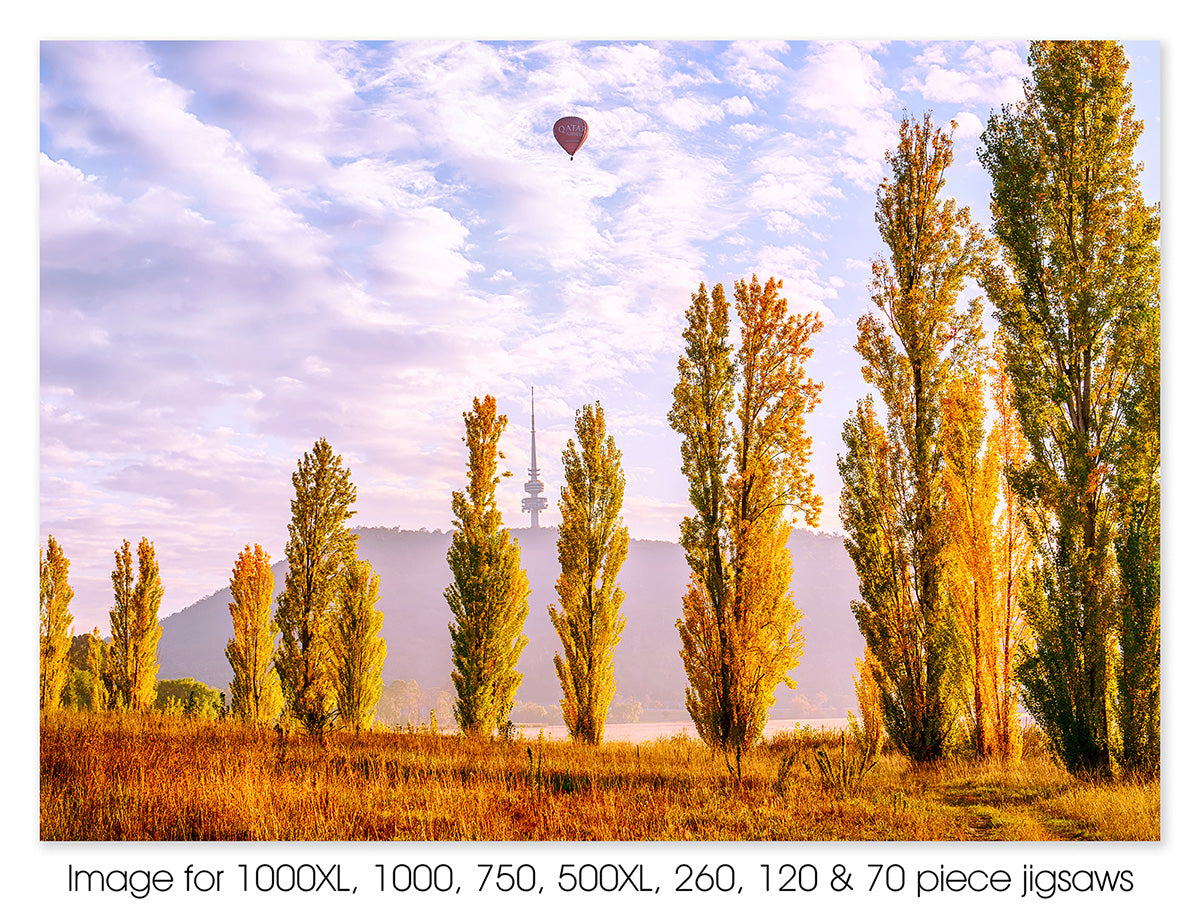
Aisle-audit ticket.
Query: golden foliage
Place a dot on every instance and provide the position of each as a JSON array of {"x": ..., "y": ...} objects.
[
  {"x": 318, "y": 544},
  {"x": 868, "y": 727},
  {"x": 55, "y": 631},
  {"x": 132, "y": 662},
  {"x": 740, "y": 626},
  {"x": 592, "y": 545},
  {"x": 357, "y": 650},
  {"x": 255, "y": 690},
  {"x": 895, "y": 490},
  {"x": 490, "y": 593}
]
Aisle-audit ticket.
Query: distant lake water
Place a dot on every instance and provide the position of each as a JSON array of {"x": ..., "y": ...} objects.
[{"x": 650, "y": 730}]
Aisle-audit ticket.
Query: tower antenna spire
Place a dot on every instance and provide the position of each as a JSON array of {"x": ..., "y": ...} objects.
[{"x": 534, "y": 487}]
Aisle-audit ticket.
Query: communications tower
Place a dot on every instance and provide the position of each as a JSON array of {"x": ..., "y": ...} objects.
[{"x": 534, "y": 487}]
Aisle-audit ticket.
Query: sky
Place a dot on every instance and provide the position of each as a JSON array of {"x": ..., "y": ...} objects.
[{"x": 245, "y": 246}]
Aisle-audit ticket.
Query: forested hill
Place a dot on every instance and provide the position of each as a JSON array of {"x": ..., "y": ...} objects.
[{"x": 413, "y": 575}]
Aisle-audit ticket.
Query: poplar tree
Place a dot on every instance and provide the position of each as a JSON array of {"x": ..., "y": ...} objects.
[
  {"x": 893, "y": 505},
  {"x": 1137, "y": 552},
  {"x": 357, "y": 650},
  {"x": 122, "y": 629},
  {"x": 99, "y": 671},
  {"x": 55, "y": 632},
  {"x": 971, "y": 488},
  {"x": 869, "y": 732},
  {"x": 745, "y": 455},
  {"x": 133, "y": 653},
  {"x": 1078, "y": 301},
  {"x": 592, "y": 546},
  {"x": 318, "y": 542},
  {"x": 490, "y": 593},
  {"x": 1012, "y": 554},
  {"x": 255, "y": 691},
  {"x": 987, "y": 547}
]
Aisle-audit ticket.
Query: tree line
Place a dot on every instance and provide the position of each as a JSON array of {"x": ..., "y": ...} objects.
[
  {"x": 1000, "y": 498},
  {"x": 1020, "y": 562},
  {"x": 312, "y": 656}
]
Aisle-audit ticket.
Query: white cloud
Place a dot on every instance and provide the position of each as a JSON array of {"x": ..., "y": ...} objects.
[
  {"x": 421, "y": 259},
  {"x": 692, "y": 114},
  {"x": 969, "y": 126},
  {"x": 755, "y": 66},
  {"x": 797, "y": 267},
  {"x": 842, "y": 85},
  {"x": 985, "y": 73},
  {"x": 738, "y": 105},
  {"x": 793, "y": 185},
  {"x": 249, "y": 245}
]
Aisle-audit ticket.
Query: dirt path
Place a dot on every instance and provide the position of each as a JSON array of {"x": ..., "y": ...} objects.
[
  {"x": 980, "y": 826},
  {"x": 987, "y": 819}
]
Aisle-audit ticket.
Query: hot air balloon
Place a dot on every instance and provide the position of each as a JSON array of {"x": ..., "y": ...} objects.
[{"x": 570, "y": 132}]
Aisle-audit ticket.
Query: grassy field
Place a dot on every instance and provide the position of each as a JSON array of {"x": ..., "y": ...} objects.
[{"x": 127, "y": 777}]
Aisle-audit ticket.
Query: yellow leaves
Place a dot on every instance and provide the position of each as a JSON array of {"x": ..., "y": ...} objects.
[
  {"x": 133, "y": 657},
  {"x": 356, "y": 649},
  {"x": 987, "y": 549},
  {"x": 55, "y": 596},
  {"x": 592, "y": 546},
  {"x": 869, "y": 733},
  {"x": 482, "y": 438},
  {"x": 255, "y": 690},
  {"x": 740, "y": 627},
  {"x": 319, "y": 541},
  {"x": 914, "y": 490},
  {"x": 253, "y": 588},
  {"x": 772, "y": 444},
  {"x": 489, "y": 596}
]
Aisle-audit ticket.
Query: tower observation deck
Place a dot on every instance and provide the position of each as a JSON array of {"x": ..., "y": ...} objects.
[{"x": 534, "y": 487}]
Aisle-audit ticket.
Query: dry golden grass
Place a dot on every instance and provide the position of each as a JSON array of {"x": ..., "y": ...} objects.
[{"x": 124, "y": 777}]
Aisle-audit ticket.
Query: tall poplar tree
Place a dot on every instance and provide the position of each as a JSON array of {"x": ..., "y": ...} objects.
[
  {"x": 122, "y": 629},
  {"x": 987, "y": 548},
  {"x": 318, "y": 543},
  {"x": 55, "y": 632},
  {"x": 893, "y": 503},
  {"x": 1012, "y": 554},
  {"x": 133, "y": 652},
  {"x": 592, "y": 545},
  {"x": 357, "y": 650},
  {"x": 1137, "y": 552},
  {"x": 971, "y": 488},
  {"x": 870, "y": 730},
  {"x": 490, "y": 594},
  {"x": 1078, "y": 302},
  {"x": 745, "y": 454},
  {"x": 255, "y": 690},
  {"x": 99, "y": 671}
]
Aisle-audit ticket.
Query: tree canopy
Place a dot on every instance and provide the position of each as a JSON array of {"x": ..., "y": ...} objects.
[
  {"x": 318, "y": 543},
  {"x": 916, "y": 342},
  {"x": 592, "y": 545},
  {"x": 489, "y": 596},
  {"x": 745, "y": 453},
  {"x": 1077, "y": 297}
]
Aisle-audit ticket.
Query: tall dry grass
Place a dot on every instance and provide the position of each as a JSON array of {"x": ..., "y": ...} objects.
[{"x": 127, "y": 777}]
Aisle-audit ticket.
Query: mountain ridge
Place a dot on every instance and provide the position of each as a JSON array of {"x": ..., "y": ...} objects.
[{"x": 648, "y": 670}]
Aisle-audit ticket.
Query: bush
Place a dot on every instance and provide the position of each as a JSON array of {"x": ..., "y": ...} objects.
[{"x": 190, "y": 698}]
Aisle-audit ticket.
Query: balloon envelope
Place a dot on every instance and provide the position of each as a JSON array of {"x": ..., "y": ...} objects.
[{"x": 570, "y": 132}]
